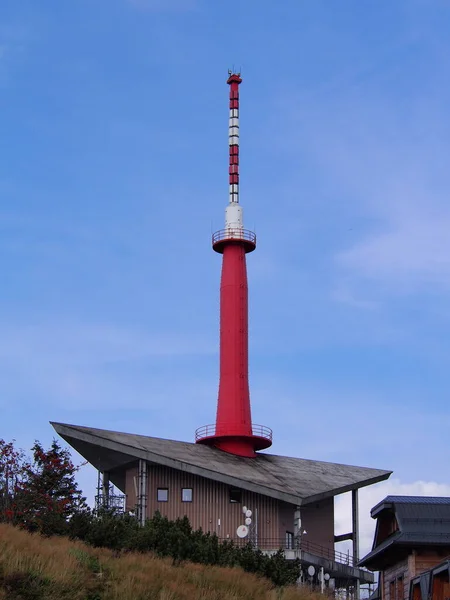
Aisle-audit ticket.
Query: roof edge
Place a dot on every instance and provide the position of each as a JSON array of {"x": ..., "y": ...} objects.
[
  {"x": 74, "y": 431},
  {"x": 348, "y": 488},
  {"x": 382, "y": 505},
  {"x": 66, "y": 431},
  {"x": 377, "y": 552}
]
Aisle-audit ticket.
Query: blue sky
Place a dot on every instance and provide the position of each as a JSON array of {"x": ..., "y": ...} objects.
[{"x": 113, "y": 172}]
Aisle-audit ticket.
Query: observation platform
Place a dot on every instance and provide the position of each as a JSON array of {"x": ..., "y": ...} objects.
[
  {"x": 260, "y": 438},
  {"x": 230, "y": 235}
]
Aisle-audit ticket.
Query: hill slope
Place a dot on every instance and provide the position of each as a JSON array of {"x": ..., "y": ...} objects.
[{"x": 36, "y": 568}]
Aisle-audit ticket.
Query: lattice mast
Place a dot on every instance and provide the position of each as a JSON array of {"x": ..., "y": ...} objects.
[{"x": 233, "y": 431}]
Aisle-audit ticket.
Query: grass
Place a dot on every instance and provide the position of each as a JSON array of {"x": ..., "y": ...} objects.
[{"x": 36, "y": 568}]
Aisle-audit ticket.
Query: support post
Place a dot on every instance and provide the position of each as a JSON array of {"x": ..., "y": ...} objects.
[
  {"x": 297, "y": 528},
  {"x": 355, "y": 531},
  {"x": 142, "y": 492},
  {"x": 105, "y": 490}
]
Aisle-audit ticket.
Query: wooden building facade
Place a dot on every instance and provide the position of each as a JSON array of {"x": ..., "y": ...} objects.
[
  {"x": 217, "y": 507},
  {"x": 433, "y": 584},
  {"x": 412, "y": 536}
]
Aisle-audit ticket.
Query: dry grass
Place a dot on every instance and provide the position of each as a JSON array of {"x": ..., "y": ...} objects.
[{"x": 35, "y": 568}]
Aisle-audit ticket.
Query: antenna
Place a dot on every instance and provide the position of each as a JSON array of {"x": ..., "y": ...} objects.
[
  {"x": 242, "y": 531},
  {"x": 234, "y": 80}
]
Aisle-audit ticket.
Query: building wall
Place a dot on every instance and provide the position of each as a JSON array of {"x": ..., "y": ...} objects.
[
  {"x": 392, "y": 576},
  {"x": 210, "y": 508},
  {"x": 285, "y": 519},
  {"x": 318, "y": 521},
  {"x": 425, "y": 559},
  {"x": 386, "y": 526},
  {"x": 417, "y": 562}
]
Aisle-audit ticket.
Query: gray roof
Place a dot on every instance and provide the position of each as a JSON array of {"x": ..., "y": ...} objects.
[
  {"x": 413, "y": 504},
  {"x": 417, "y": 500},
  {"x": 422, "y": 521},
  {"x": 294, "y": 480}
]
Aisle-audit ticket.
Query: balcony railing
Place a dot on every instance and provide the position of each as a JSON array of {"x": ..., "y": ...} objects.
[
  {"x": 231, "y": 233},
  {"x": 273, "y": 544},
  {"x": 211, "y": 431}
]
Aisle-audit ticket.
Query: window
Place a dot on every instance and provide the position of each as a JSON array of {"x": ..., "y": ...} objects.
[
  {"x": 235, "y": 495},
  {"x": 163, "y": 495},
  {"x": 289, "y": 540},
  {"x": 186, "y": 495},
  {"x": 397, "y": 589},
  {"x": 400, "y": 589}
]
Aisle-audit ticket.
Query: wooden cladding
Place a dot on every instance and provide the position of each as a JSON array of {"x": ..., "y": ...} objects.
[
  {"x": 396, "y": 581},
  {"x": 215, "y": 507}
]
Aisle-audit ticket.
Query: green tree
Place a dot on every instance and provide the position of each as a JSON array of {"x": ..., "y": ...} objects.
[{"x": 11, "y": 474}]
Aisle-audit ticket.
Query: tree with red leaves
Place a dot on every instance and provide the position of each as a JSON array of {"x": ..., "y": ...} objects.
[{"x": 45, "y": 495}]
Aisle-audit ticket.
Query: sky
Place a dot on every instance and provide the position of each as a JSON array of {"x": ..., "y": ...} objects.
[{"x": 113, "y": 174}]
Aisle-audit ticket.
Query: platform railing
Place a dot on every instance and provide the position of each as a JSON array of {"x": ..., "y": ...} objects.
[
  {"x": 234, "y": 233},
  {"x": 211, "y": 431},
  {"x": 273, "y": 544}
]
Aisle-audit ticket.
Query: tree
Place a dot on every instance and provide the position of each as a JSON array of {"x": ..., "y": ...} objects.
[
  {"x": 47, "y": 497},
  {"x": 11, "y": 473}
]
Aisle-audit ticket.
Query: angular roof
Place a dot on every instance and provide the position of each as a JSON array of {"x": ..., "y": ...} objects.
[
  {"x": 414, "y": 505},
  {"x": 422, "y": 521},
  {"x": 293, "y": 480},
  {"x": 416, "y": 500}
]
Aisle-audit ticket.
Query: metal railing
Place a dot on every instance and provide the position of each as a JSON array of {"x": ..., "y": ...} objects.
[
  {"x": 330, "y": 553},
  {"x": 231, "y": 233},
  {"x": 113, "y": 502},
  {"x": 273, "y": 544},
  {"x": 211, "y": 431}
]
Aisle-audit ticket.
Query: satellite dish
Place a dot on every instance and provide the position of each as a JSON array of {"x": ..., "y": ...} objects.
[
  {"x": 242, "y": 531},
  {"x": 311, "y": 570},
  {"x": 248, "y": 513},
  {"x": 244, "y": 509},
  {"x": 326, "y": 576},
  {"x": 248, "y": 521}
]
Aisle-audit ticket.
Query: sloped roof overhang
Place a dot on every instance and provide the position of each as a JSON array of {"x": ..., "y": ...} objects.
[{"x": 268, "y": 475}]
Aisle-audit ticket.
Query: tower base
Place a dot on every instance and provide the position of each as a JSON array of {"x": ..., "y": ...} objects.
[{"x": 240, "y": 445}]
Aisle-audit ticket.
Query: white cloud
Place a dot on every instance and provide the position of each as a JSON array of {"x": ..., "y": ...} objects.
[{"x": 369, "y": 497}]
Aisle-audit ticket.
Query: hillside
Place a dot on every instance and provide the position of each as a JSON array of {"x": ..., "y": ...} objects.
[{"x": 36, "y": 568}]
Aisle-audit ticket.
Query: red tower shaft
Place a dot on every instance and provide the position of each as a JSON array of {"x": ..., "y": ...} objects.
[
  {"x": 233, "y": 406},
  {"x": 234, "y": 431}
]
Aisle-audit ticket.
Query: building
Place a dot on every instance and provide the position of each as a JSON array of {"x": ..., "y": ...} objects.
[
  {"x": 223, "y": 482},
  {"x": 291, "y": 499},
  {"x": 412, "y": 536},
  {"x": 433, "y": 584}
]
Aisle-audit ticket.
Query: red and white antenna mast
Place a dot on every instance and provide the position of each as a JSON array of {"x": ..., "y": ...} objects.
[
  {"x": 233, "y": 431},
  {"x": 233, "y": 136}
]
